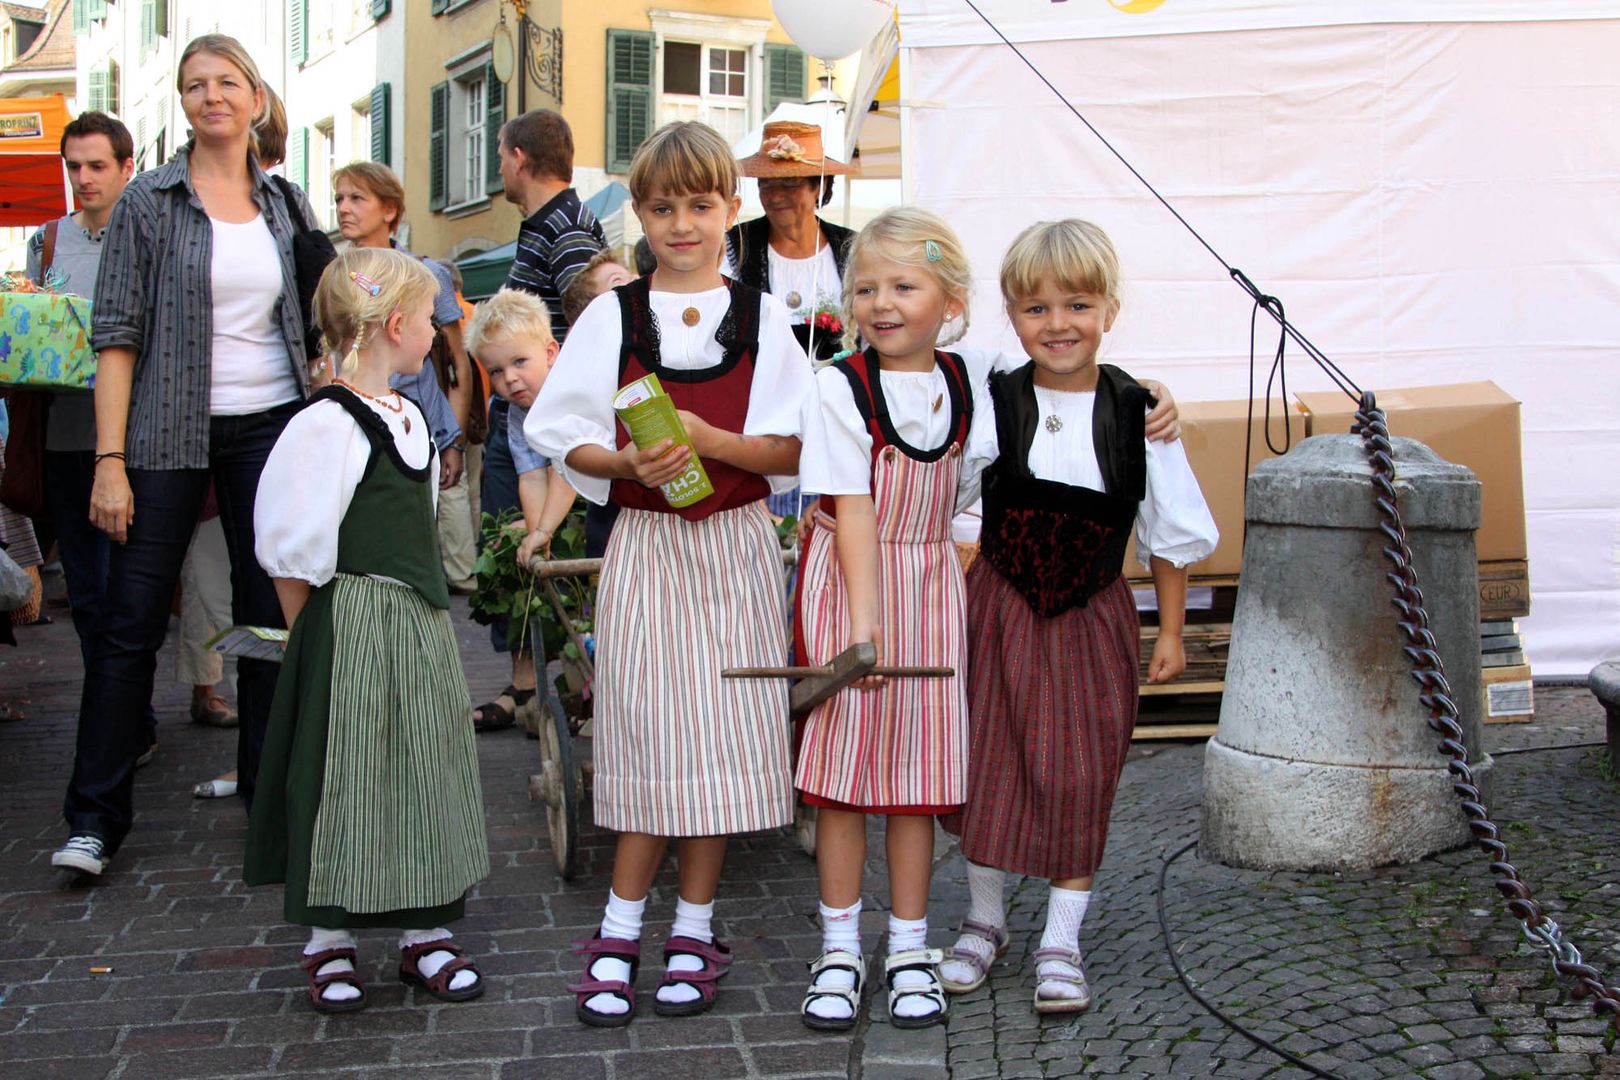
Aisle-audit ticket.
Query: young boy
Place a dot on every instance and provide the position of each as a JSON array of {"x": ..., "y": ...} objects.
[
  {"x": 596, "y": 277},
  {"x": 511, "y": 336}
]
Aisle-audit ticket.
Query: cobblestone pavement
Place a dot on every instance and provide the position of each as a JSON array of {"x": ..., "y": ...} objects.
[
  {"x": 1402, "y": 971},
  {"x": 1408, "y": 971}
]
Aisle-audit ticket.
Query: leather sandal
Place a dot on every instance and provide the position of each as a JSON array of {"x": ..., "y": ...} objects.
[
  {"x": 588, "y": 987},
  {"x": 834, "y": 960},
  {"x": 1076, "y": 1004},
  {"x": 993, "y": 936},
  {"x": 438, "y": 986},
  {"x": 214, "y": 711},
  {"x": 706, "y": 981},
  {"x": 493, "y": 716},
  {"x": 927, "y": 962},
  {"x": 319, "y": 983}
]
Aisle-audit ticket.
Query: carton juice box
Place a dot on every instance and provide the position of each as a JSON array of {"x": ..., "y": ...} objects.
[{"x": 649, "y": 415}]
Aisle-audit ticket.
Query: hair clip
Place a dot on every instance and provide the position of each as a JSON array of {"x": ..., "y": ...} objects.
[
  {"x": 931, "y": 249},
  {"x": 371, "y": 286}
]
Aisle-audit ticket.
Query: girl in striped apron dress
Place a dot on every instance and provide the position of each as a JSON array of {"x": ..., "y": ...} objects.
[
  {"x": 369, "y": 808},
  {"x": 1053, "y": 681},
  {"x": 679, "y": 751},
  {"x": 885, "y": 449}
]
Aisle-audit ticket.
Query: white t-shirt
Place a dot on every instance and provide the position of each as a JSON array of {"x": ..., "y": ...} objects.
[
  {"x": 252, "y": 371},
  {"x": 575, "y": 406}
]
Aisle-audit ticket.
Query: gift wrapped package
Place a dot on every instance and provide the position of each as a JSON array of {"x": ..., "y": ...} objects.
[{"x": 45, "y": 341}]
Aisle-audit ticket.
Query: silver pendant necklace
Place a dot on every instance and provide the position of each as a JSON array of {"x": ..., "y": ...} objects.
[{"x": 1053, "y": 422}]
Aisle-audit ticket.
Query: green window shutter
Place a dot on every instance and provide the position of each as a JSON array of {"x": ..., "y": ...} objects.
[
  {"x": 379, "y": 123},
  {"x": 439, "y": 6},
  {"x": 109, "y": 101},
  {"x": 298, "y": 157},
  {"x": 379, "y": 8},
  {"x": 494, "y": 118},
  {"x": 95, "y": 9},
  {"x": 98, "y": 91},
  {"x": 629, "y": 95},
  {"x": 297, "y": 40},
  {"x": 154, "y": 23},
  {"x": 439, "y": 149},
  {"x": 161, "y": 7},
  {"x": 81, "y": 17},
  {"x": 784, "y": 75}
]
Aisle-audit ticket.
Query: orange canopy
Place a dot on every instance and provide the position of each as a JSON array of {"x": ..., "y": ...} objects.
[{"x": 33, "y": 187}]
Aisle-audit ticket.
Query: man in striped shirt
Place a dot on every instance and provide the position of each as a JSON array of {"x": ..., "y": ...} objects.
[{"x": 559, "y": 234}]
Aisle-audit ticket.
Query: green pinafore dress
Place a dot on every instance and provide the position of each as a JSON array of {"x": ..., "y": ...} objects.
[{"x": 369, "y": 807}]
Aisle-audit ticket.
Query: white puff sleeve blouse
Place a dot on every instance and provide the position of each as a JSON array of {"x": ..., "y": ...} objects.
[
  {"x": 309, "y": 480},
  {"x": 575, "y": 406}
]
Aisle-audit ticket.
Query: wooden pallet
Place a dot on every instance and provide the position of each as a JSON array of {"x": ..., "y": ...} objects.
[{"x": 1504, "y": 589}]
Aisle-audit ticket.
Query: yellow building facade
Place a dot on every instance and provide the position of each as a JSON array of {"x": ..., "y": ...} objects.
[{"x": 625, "y": 68}]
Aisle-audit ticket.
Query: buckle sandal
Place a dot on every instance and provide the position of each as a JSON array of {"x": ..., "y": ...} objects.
[
  {"x": 439, "y": 985},
  {"x": 706, "y": 981},
  {"x": 834, "y": 960},
  {"x": 319, "y": 983},
  {"x": 925, "y": 961},
  {"x": 1079, "y": 1003},
  {"x": 993, "y": 936},
  {"x": 588, "y": 987},
  {"x": 493, "y": 716}
]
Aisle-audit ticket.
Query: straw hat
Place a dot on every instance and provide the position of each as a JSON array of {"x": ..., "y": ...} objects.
[{"x": 790, "y": 149}]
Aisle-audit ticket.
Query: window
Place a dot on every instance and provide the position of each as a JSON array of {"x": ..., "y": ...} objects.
[
  {"x": 323, "y": 160},
  {"x": 708, "y": 83},
  {"x": 473, "y": 91}
]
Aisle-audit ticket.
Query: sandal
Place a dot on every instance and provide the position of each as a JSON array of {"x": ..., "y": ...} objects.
[
  {"x": 1080, "y": 1003},
  {"x": 493, "y": 716},
  {"x": 319, "y": 983},
  {"x": 993, "y": 936},
  {"x": 214, "y": 711},
  {"x": 589, "y": 987},
  {"x": 927, "y": 962},
  {"x": 439, "y": 985},
  {"x": 706, "y": 981},
  {"x": 834, "y": 960}
]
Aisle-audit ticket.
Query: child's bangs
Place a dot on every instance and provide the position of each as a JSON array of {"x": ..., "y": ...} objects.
[
  {"x": 1077, "y": 257},
  {"x": 683, "y": 161}
]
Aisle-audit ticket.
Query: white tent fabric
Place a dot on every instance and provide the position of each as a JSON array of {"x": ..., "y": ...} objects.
[{"x": 1434, "y": 202}]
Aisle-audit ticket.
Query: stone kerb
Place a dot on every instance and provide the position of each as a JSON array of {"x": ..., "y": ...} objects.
[{"x": 1323, "y": 758}]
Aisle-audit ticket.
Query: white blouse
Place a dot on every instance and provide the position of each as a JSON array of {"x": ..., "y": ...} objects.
[
  {"x": 805, "y": 285},
  {"x": 837, "y": 457},
  {"x": 309, "y": 480},
  {"x": 1172, "y": 522},
  {"x": 575, "y": 406}
]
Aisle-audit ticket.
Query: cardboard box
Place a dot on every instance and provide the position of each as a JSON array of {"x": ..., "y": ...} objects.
[
  {"x": 1213, "y": 433},
  {"x": 45, "y": 342},
  {"x": 1473, "y": 424}
]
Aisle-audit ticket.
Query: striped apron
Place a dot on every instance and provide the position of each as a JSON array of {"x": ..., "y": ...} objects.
[
  {"x": 903, "y": 747},
  {"x": 680, "y": 751}
]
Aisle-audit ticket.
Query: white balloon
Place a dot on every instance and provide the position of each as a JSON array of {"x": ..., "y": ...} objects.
[{"x": 832, "y": 29}]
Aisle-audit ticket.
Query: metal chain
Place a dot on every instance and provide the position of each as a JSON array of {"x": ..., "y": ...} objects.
[{"x": 1436, "y": 696}]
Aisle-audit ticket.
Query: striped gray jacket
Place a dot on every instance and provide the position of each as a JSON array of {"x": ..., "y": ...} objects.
[{"x": 154, "y": 295}]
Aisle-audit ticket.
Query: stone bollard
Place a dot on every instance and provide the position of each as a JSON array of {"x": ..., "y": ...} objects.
[
  {"x": 1324, "y": 759},
  {"x": 1604, "y": 682}
]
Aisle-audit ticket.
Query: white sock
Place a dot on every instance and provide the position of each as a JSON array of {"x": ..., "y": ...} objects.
[
  {"x": 622, "y": 920},
  {"x": 1065, "y": 911},
  {"x": 985, "y": 905},
  {"x": 910, "y": 934},
  {"x": 430, "y": 962},
  {"x": 693, "y": 921},
  {"x": 319, "y": 941},
  {"x": 841, "y": 930}
]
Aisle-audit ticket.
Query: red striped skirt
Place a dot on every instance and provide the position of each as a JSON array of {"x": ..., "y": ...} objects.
[{"x": 1051, "y": 705}]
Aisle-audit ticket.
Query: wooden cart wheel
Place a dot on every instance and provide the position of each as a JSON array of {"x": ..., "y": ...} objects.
[{"x": 559, "y": 787}]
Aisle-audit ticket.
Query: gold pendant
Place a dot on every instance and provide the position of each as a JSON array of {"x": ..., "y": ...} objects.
[
  {"x": 691, "y": 316},
  {"x": 939, "y": 399},
  {"x": 1054, "y": 423}
]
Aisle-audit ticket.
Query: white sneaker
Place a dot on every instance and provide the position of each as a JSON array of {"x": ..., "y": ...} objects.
[{"x": 86, "y": 854}]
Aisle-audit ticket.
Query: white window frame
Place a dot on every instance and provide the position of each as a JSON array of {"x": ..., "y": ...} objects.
[
  {"x": 463, "y": 71},
  {"x": 323, "y": 159},
  {"x": 711, "y": 32}
]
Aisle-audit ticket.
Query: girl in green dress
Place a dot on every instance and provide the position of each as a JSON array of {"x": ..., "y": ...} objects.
[{"x": 369, "y": 808}]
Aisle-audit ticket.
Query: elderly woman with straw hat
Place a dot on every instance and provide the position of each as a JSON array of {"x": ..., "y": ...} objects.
[{"x": 790, "y": 252}]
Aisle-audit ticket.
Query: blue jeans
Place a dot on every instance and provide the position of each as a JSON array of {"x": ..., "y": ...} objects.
[
  {"x": 134, "y": 617},
  {"x": 499, "y": 491},
  {"x": 69, "y": 476}
]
